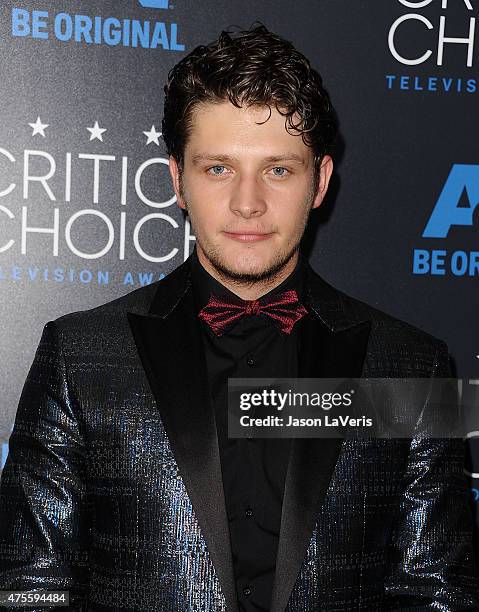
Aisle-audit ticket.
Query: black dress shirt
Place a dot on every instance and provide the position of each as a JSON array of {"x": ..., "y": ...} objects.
[{"x": 254, "y": 469}]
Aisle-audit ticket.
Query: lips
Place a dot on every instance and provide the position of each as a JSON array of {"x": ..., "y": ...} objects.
[{"x": 247, "y": 236}]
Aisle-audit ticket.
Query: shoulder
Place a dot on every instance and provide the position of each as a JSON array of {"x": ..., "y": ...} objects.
[
  {"x": 104, "y": 327},
  {"x": 395, "y": 347},
  {"x": 137, "y": 300},
  {"x": 404, "y": 348}
]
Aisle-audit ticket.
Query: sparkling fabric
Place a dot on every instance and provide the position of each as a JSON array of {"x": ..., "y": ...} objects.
[
  {"x": 283, "y": 308},
  {"x": 92, "y": 499}
]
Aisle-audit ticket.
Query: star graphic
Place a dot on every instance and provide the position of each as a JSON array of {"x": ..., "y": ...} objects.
[
  {"x": 153, "y": 136},
  {"x": 96, "y": 132},
  {"x": 38, "y": 127}
]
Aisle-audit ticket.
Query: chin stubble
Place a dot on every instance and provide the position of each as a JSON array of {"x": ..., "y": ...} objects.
[{"x": 269, "y": 274}]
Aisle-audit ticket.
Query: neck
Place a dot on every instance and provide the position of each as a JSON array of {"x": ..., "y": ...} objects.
[{"x": 250, "y": 290}]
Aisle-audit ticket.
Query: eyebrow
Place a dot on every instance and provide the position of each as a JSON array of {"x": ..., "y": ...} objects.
[{"x": 287, "y": 157}]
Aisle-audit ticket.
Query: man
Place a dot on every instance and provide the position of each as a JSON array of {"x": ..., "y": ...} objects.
[{"x": 121, "y": 484}]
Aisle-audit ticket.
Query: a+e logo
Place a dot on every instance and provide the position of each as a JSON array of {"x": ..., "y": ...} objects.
[
  {"x": 157, "y": 4},
  {"x": 457, "y": 202}
]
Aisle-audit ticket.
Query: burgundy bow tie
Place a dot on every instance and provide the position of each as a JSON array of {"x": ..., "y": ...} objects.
[{"x": 284, "y": 308}]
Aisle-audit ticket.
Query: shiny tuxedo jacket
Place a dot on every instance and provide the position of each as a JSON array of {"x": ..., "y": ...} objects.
[{"x": 112, "y": 487}]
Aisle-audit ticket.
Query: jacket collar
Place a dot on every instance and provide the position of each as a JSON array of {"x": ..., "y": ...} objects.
[{"x": 331, "y": 307}]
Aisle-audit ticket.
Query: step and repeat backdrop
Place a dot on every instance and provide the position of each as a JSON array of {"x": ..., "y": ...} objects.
[{"x": 87, "y": 212}]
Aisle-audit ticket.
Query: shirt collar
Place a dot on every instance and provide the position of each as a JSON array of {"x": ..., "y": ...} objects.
[{"x": 203, "y": 283}]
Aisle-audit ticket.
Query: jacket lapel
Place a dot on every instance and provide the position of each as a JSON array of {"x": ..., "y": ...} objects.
[
  {"x": 168, "y": 340},
  {"x": 333, "y": 345},
  {"x": 170, "y": 348}
]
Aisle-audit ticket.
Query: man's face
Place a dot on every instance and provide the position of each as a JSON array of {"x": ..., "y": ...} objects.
[{"x": 247, "y": 185}]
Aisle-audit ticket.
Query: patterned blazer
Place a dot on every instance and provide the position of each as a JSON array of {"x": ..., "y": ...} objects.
[{"x": 112, "y": 486}]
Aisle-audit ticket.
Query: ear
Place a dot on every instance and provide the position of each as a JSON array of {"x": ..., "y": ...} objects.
[
  {"x": 175, "y": 177},
  {"x": 325, "y": 173}
]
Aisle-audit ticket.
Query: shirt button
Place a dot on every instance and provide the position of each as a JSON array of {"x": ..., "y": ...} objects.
[
  {"x": 250, "y": 361},
  {"x": 248, "y": 512},
  {"x": 247, "y": 591}
]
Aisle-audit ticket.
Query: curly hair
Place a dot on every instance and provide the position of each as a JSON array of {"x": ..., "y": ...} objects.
[{"x": 249, "y": 67}]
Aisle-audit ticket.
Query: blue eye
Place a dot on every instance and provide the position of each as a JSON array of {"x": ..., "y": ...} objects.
[
  {"x": 215, "y": 168},
  {"x": 279, "y": 168}
]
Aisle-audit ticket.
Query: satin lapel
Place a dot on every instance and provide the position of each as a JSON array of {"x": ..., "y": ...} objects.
[
  {"x": 324, "y": 353},
  {"x": 171, "y": 351}
]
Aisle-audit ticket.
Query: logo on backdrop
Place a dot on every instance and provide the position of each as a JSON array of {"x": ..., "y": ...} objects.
[
  {"x": 457, "y": 202},
  {"x": 97, "y": 30},
  {"x": 430, "y": 20},
  {"x": 88, "y": 206},
  {"x": 455, "y": 208},
  {"x": 158, "y": 4}
]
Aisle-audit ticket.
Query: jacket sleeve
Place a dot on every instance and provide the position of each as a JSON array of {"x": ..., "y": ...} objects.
[
  {"x": 433, "y": 565},
  {"x": 43, "y": 502}
]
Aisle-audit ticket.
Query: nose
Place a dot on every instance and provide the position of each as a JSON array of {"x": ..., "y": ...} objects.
[{"x": 247, "y": 199}]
